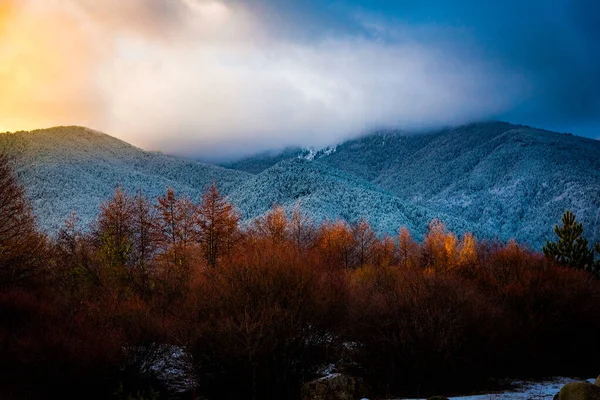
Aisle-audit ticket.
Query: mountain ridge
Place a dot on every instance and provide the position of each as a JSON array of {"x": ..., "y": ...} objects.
[
  {"x": 511, "y": 179},
  {"x": 494, "y": 179},
  {"x": 86, "y": 169}
]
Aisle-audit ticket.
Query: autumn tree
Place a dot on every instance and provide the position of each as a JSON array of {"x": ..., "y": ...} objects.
[
  {"x": 177, "y": 227},
  {"x": 407, "y": 250},
  {"x": 21, "y": 244},
  {"x": 273, "y": 225},
  {"x": 217, "y": 224},
  {"x": 75, "y": 250},
  {"x": 364, "y": 239},
  {"x": 69, "y": 235},
  {"x": 384, "y": 252},
  {"x": 302, "y": 229},
  {"x": 440, "y": 247},
  {"x": 336, "y": 241},
  {"x": 145, "y": 239},
  {"x": 572, "y": 248},
  {"x": 467, "y": 249}
]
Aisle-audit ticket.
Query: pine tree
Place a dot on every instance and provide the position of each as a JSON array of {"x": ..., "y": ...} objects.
[
  {"x": 572, "y": 248},
  {"x": 114, "y": 230}
]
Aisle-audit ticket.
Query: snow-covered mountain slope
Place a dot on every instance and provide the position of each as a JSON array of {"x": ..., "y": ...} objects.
[
  {"x": 513, "y": 180},
  {"x": 494, "y": 179},
  {"x": 262, "y": 161},
  {"x": 325, "y": 192},
  {"x": 74, "y": 168}
]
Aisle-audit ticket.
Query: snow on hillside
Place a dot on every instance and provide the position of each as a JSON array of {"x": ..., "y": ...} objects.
[
  {"x": 326, "y": 192},
  {"x": 73, "y": 168},
  {"x": 509, "y": 179},
  {"x": 312, "y": 154},
  {"x": 494, "y": 179}
]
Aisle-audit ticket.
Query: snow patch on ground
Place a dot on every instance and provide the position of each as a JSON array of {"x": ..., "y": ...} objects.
[
  {"x": 171, "y": 365},
  {"x": 526, "y": 390}
]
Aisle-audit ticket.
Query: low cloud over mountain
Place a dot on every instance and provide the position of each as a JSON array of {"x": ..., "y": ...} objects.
[{"x": 221, "y": 79}]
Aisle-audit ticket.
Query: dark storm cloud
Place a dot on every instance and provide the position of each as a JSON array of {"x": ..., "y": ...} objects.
[{"x": 554, "y": 45}]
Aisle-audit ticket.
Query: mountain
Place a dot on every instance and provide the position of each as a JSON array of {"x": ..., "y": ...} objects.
[
  {"x": 509, "y": 179},
  {"x": 328, "y": 193},
  {"x": 74, "y": 168},
  {"x": 68, "y": 169},
  {"x": 494, "y": 179}
]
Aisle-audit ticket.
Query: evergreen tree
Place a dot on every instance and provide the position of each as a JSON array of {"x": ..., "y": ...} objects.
[
  {"x": 114, "y": 230},
  {"x": 572, "y": 248}
]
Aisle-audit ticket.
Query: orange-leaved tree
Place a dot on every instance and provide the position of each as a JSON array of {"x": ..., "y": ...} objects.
[
  {"x": 218, "y": 225},
  {"x": 408, "y": 250},
  {"x": 177, "y": 224}
]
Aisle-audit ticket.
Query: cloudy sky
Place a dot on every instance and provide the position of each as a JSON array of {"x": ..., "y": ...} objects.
[{"x": 217, "y": 79}]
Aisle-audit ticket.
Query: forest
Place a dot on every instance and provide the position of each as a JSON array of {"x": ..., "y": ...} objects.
[{"x": 260, "y": 308}]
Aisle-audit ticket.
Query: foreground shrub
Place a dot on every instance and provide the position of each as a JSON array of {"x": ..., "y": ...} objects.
[
  {"x": 264, "y": 321},
  {"x": 417, "y": 331},
  {"x": 47, "y": 349}
]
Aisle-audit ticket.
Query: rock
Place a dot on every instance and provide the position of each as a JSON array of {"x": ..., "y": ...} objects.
[
  {"x": 331, "y": 387},
  {"x": 579, "y": 391},
  {"x": 597, "y": 382}
]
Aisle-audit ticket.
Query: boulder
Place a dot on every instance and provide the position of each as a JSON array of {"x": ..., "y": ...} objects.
[
  {"x": 597, "y": 382},
  {"x": 331, "y": 387},
  {"x": 579, "y": 391}
]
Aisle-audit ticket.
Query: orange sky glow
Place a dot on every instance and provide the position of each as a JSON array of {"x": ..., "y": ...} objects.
[{"x": 43, "y": 67}]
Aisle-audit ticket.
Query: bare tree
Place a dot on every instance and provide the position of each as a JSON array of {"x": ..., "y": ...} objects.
[{"x": 20, "y": 241}]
